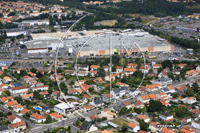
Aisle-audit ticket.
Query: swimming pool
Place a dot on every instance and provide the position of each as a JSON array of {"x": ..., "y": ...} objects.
[{"x": 38, "y": 108}]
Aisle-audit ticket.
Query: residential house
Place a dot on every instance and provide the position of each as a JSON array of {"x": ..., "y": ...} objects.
[
  {"x": 93, "y": 73},
  {"x": 27, "y": 96},
  {"x": 42, "y": 88},
  {"x": 94, "y": 67},
  {"x": 72, "y": 92},
  {"x": 156, "y": 66},
  {"x": 154, "y": 126},
  {"x": 45, "y": 94},
  {"x": 143, "y": 117},
  {"x": 108, "y": 114},
  {"x": 106, "y": 68},
  {"x": 122, "y": 84},
  {"x": 128, "y": 105},
  {"x": 18, "y": 70},
  {"x": 166, "y": 130},
  {"x": 176, "y": 71},
  {"x": 195, "y": 112},
  {"x": 82, "y": 67},
  {"x": 163, "y": 74},
  {"x": 182, "y": 88},
  {"x": 89, "y": 107},
  {"x": 7, "y": 79},
  {"x": 97, "y": 80},
  {"x": 83, "y": 73},
  {"x": 163, "y": 81},
  {"x": 131, "y": 65},
  {"x": 20, "y": 89},
  {"x": 161, "y": 95},
  {"x": 144, "y": 69},
  {"x": 144, "y": 99},
  {"x": 98, "y": 102},
  {"x": 11, "y": 103},
  {"x": 187, "y": 129},
  {"x": 17, "y": 127},
  {"x": 182, "y": 65},
  {"x": 88, "y": 127},
  {"x": 153, "y": 87},
  {"x": 189, "y": 100},
  {"x": 107, "y": 97},
  {"x": 119, "y": 92},
  {"x": 5, "y": 129},
  {"x": 152, "y": 96},
  {"x": 6, "y": 99},
  {"x": 112, "y": 77},
  {"x": 18, "y": 107},
  {"x": 24, "y": 111},
  {"x": 13, "y": 119},
  {"x": 139, "y": 104},
  {"x": 129, "y": 70},
  {"x": 31, "y": 74},
  {"x": 70, "y": 72},
  {"x": 85, "y": 87},
  {"x": 56, "y": 116},
  {"x": 192, "y": 72},
  {"x": 132, "y": 127},
  {"x": 119, "y": 69},
  {"x": 3, "y": 68},
  {"x": 195, "y": 125},
  {"x": 92, "y": 117},
  {"x": 37, "y": 118},
  {"x": 165, "y": 116},
  {"x": 87, "y": 98}
]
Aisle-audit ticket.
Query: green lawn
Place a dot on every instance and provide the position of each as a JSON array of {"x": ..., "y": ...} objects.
[{"x": 120, "y": 122}]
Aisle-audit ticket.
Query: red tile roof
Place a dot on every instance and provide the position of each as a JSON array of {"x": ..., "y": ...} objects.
[{"x": 37, "y": 116}]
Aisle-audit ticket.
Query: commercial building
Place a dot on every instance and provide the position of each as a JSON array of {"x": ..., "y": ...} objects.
[
  {"x": 64, "y": 108},
  {"x": 99, "y": 42}
]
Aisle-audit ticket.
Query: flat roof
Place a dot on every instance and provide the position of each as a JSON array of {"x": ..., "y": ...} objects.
[
  {"x": 64, "y": 105},
  {"x": 44, "y": 43}
]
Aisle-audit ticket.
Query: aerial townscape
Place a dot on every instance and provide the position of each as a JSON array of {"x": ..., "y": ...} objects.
[{"x": 107, "y": 66}]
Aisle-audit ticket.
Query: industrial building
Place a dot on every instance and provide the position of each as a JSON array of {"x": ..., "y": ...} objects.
[{"x": 100, "y": 42}]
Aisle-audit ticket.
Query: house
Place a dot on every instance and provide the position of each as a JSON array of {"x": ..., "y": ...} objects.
[
  {"x": 119, "y": 69},
  {"x": 18, "y": 107},
  {"x": 92, "y": 117},
  {"x": 31, "y": 74},
  {"x": 182, "y": 87},
  {"x": 162, "y": 81},
  {"x": 195, "y": 112},
  {"x": 72, "y": 92},
  {"x": 64, "y": 108},
  {"x": 45, "y": 94},
  {"x": 143, "y": 117},
  {"x": 56, "y": 116},
  {"x": 161, "y": 95},
  {"x": 111, "y": 77},
  {"x": 13, "y": 119},
  {"x": 144, "y": 99},
  {"x": 98, "y": 102},
  {"x": 24, "y": 111},
  {"x": 6, "y": 99},
  {"x": 3, "y": 68},
  {"x": 187, "y": 129},
  {"x": 41, "y": 87},
  {"x": 166, "y": 130},
  {"x": 132, "y": 127},
  {"x": 20, "y": 89},
  {"x": 107, "y": 97},
  {"x": 122, "y": 84},
  {"x": 106, "y": 68},
  {"x": 88, "y": 127},
  {"x": 182, "y": 65},
  {"x": 186, "y": 120},
  {"x": 11, "y": 103},
  {"x": 85, "y": 87},
  {"x": 156, "y": 66},
  {"x": 81, "y": 67},
  {"x": 94, "y": 67},
  {"x": 139, "y": 104},
  {"x": 70, "y": 72},
  {"x": 165, "y": 116},
  {"x": 5, "y": 129},
  {"x": 97, "y": 80},
  {"x": 93, "y": 73},
  {"x": 144, "y": 69},
  {"x": 152, "y": 96},
  {"x": 189, "y": 100},
  {"x": 106, "y": 131},
  {"x": 46, "y": 109},
  {"x": 153, "y": 87},
  {"x": 163, "y": 74},
  {"x": 192, "y": 72},
  {"x": 108, "y": 114},
  {"x": 7, "y": 79},
  {"x": 27, "y": 96},
  {"x": 119, "y": 92},
  {"x": 176, "y": 71},
  {"x": 129, "y": 70},
  {"x": 131, "y": 65},
  {"x": 195, "y": 125},
  {"x": 87, "y": 97},
  {"x": 89, "y": 107},
  {"x": 128, "y": 105},
  {"x": 20, "y": 69},
  {"x": 82, "y": 73},
  {"x": 37, "y": 118},
  {"x": 154, "y": 126},
  {"x": 17, "y": 127}
]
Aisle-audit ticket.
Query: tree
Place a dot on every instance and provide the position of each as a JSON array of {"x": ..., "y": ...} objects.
[
  {"x": 18, "y": 99},
  {"x": 101, "y": 72},
  {"x": 33, "y": 70},
  {"x": 175, "y": 95},
  {"x": 154, "y": 106},
  {"x": 69, "y": 128},
  {"x": 195, "y": 87},
  {"x": 124, "y": 128},
  {"x": 7, "y": 93},
  {"x": 189, "y": 92},
  {"x": 150, "y": 70},
  {"x": 159, "y": 70},
  {"x": 143, "y": 125},
  {"x": 48, "y": 119}
]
